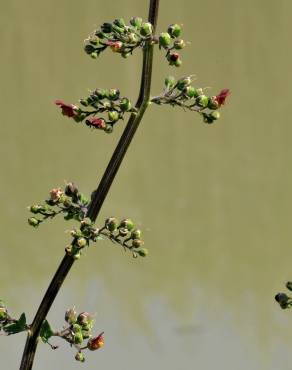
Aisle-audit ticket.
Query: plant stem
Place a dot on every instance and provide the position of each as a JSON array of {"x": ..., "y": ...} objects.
[{"x": 98, "y": 195}]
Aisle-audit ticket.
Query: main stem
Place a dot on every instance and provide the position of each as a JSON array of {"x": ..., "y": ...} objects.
[{"x": 98, "y": 196}]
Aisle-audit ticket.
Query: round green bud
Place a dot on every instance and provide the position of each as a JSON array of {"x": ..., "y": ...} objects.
[
  {"x": 136, "y": 22},
  {"x": 146, "y": 29},
  {"x": 183, "y": 83},
  {"x": 137, "y": 243},
  {"x": 113, "y": 116},
  {"x": 94, "y": 55},
  {"x": 143, "y": 252},
  {"x": 178, "y": 63},
  {"x": 79, "y": 357},
  {"x": 89, "y": 49},
  {"x": 202, "y": 101},
  {"x": 125, "y": 104},
  {"x": 190, "y": 92},
  {"x": 33, "y": 221},
  {"x": 123, "y": 232},
  {"x": 70, "y": 316},
  {"x": 174, "y": 30},
  {"x": 179, "y": 44},
  {"x": 84, "y": 102},
  {"x": 78, "y": 338},
  {"x": 215, "y": 115},
  {"x": 105, "y": 28},
  {"x": 136, "y": 234},
  {"x": 125, "y": 54},
  {"x": 127, "y": 224},
  {"x": 100, "y": 93},
  {"x": 3, "y": 314},
  {"x": 169, "y": 81},
  {"x": 77, "y": 256},
  {"x": 114, "y": 94},
  {"x": 108, "y": 129},
  {"x": 120, "y": 22},
  {"x": 111, "y": 224},
  {"x": 164, "y": 39},
  {"x": 81, "y": 242}
]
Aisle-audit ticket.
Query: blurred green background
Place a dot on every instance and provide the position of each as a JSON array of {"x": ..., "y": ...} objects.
[{"x": 214, "y": 201}]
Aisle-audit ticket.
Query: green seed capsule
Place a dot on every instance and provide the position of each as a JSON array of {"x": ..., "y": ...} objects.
[
  {"x": 111, "y": 224},
  {"x": 125, "y": 104},
  {"x": 127, "y": 224},
  {"x": 164, "y": 39},
  {"x": 113, "y": 116},
  {"x": 202, "y": 101},
  {"x": 143, "y": 252},
  {"x": 146, "y": 29},
  {"x": 136, "y": 234},
  {"x": 190, "y": 92},
  {"x": 174, "y": 30}
]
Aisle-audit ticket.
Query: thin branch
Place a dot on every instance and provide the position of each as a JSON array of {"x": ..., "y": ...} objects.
[{"x": 99, "y": 194}]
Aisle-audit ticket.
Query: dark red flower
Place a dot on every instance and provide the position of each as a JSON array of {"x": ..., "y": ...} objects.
[
  {"x": 173, "y": 57},
  {"x": 220, "y": 98},
  {"x": 96, "y": 122},
  {"x": 68, "y": 110}
]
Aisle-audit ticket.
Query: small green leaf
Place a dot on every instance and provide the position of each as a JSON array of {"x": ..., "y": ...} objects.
[
  {"x": 46, "y": 331},
  {"x": 16, "y": 327}
]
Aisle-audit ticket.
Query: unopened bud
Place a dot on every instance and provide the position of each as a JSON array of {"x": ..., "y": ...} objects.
[
  {"x": 123, "y": 232},
  {"x": 94, "y": 55},
  {"x": 169, "y": 82},
  {"x": 164, "y": 39},
  {"x": 113, "y": 115},
  {"x": 81, "y": 242},
  {"x": 95, "y": 343},
  {"x": 106, "y": 27},
  {"x": 111, "y": 224},
  {"x": 89, "y": 49},
  {"x": 136, "y": 22},
  {"x": 83, "y": 318},
  {"x": 70, "y": 316},
  {"x": 136, "y": 234},
  {"x": 190, "y": 92},
  {"x": 33, "y": 221},
  {"x": 137, "y": 243},
  {"x": 179, "y": 44},
  {"x": 108, "y": 129},
  {"x": 79, "y": 357},
  {"x": 146, "y": 29},
  {"x": 202, "y": 101},
  {"x": 35, "y": 208},
  {"x": 184, "y": 82},
  {"x": 127, "y": 224},
  {"x": 78, "y": 338},
  {"x": 215, "y": 115},
  {"x": 71, "y": 189},
  {"x": 114, "y": 94},
  {"x": 125, "y": 104}
]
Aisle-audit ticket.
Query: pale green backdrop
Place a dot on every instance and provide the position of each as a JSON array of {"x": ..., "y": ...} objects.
[{"x": 214, "y": 201}]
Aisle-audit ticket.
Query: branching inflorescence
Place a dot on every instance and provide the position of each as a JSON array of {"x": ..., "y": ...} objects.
[{"x": 101, "y": 110}]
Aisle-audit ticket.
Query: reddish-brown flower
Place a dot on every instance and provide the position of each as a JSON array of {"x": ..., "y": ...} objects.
[
  {"x": 68, "y": 110},
  {"x": 173, "y": 57},
  {"x": 114, "y": 45},
  {"x": 220, "y": 98},
  {"x": 96, "y": 122},
  {"x": 55, "y": 194},
  {"x": 96, "y": 343}
]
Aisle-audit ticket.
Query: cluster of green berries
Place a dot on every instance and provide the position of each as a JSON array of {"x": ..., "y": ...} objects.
[
  {"x": 124, "y": 233},
  {"x": 120, "y": 37},
  {"x": 106, "y": 103},
  {"x": 171, "y": 42},
  {"x": 182, "y": 93},
  {"x": 283, "y": 299},
  {"x": 69, "y": 201}
]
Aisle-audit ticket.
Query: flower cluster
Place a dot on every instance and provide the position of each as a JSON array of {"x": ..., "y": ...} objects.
[
  {"x": 181, "y": 93},
  {"x": 10, "y": 325},
  {"x": 107, "y": 104},
  {"x": 77, "y": 330},
  {"x": 283, "y": 299},
  {"x": 122, "y": 233},
  {"x": 119, "y": 37},
  {"x": 69, "y": 201},
  {"x": 171, "y": 42}
]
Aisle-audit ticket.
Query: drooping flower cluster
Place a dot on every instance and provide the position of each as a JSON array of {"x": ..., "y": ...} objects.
[
  {"x": 74, "y": 205},
  {"x": 76, "y": 332},
  {"x": 181, "y": 93},
  {"x": 283, "y": 299},
  {"x": 69, "y": 202},
  {"x": 171, "y": 42},
  {"x": 107, "y": 104},
  {"x": 119, "y": 37},
  {"x": 122, "y": 233}
]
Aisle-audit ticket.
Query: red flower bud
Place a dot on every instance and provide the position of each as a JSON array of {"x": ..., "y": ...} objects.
[
  {"x": 68, "y": 110},
  {"x": 220, "y": 98},
  {"x": 96, "y": 122},
  {"x": 114, "y": 45},
  {"x": 96, "y": 343}
]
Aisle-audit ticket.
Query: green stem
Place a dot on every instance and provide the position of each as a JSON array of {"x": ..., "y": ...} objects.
[{"x": 99, "y": 195}]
